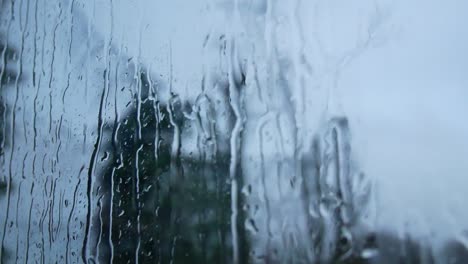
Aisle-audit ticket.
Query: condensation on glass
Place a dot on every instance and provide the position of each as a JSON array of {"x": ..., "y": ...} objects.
[{"x": 233, "y": 131}]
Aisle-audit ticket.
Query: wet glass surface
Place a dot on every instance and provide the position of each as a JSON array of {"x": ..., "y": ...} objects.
[{"x": 233, "y": 131}]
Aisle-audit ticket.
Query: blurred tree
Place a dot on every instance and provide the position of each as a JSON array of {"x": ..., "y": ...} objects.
[
  {"x": 8, "y": 77},
  {"x": 155, "y": 203}
]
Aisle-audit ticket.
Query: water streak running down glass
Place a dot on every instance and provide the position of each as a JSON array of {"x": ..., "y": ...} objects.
[{"x": 233, "y": 131}]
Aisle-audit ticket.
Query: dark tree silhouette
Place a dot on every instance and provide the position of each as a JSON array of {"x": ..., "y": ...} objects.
[
  {"x": 155, "y": 203},
  {"x": 8, "y": 77}
]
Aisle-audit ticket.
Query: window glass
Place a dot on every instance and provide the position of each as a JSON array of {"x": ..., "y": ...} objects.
[{"x": 233, "y": 131}]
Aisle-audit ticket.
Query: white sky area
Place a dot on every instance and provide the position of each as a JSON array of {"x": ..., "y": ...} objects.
[{"x": 405, "y": 94}]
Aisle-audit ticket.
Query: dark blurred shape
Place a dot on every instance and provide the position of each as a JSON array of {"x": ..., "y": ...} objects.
[{"x": 157, "y": 204}]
